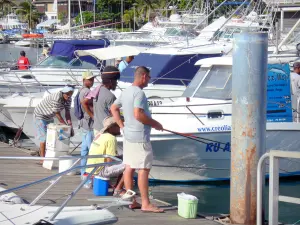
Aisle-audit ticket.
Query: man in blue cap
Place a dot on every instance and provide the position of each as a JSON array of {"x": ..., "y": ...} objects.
[{"x": 51, "y": 107}]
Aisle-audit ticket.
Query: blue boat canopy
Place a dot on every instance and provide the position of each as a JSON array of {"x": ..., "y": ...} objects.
[
  {"x": 166, "y": 69},
  {"x": 67, "y": 48}
]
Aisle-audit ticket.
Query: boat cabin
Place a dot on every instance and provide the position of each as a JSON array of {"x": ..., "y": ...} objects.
[
  {"x": 62, "y": 55},
  {"x": 214, "y": 81}
]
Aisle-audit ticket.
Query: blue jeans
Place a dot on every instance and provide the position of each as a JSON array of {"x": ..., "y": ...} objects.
[{"x": 87, "y": 139}]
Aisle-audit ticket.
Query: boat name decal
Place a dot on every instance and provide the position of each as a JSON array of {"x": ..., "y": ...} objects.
[
  {"x": 213, "y": 129},
  {"x": 216, "y": 146},
  {"x": 154, "y": 103}
]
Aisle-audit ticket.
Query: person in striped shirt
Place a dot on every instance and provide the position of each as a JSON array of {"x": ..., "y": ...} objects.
[{"x": 51, "y": 107}]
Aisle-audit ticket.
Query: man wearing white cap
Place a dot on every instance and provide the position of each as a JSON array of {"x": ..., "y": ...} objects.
[
  {"x": 51, "y": 107},
  {"x": 87, "y": 122}
]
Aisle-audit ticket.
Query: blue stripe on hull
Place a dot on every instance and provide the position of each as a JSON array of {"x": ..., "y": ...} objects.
[{"x": 292, "y": 174}]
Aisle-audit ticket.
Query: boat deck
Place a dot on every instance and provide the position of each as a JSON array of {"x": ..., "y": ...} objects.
[{"x": 18, "y": 172}]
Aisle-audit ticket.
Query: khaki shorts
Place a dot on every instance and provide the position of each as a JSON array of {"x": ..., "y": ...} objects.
[{"x": 137, "y": 155}]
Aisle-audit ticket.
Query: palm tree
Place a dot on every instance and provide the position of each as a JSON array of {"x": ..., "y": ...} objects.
[
  {"x": 5, "y": 4},
  {"x": 29, "y": 13}
]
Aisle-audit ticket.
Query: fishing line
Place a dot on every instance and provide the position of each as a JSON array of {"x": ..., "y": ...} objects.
[{"x": 194, "y": 137}]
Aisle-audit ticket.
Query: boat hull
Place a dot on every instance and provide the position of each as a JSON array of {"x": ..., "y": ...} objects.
[{"x": 178, "y": 159}]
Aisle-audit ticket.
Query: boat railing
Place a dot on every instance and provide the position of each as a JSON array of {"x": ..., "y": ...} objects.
[
  {"x": 59, "y": 175},
  {"x": 274, "y": 197},
  {"x": 43, "y": 78}
]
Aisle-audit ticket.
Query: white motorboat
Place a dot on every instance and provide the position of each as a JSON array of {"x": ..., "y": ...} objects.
[
  {"x": 11, "y": 21},
  {"x": 203, "y": 112},
  {"x": 207, "y": 115},
  {"x": 23, "y": 43}
]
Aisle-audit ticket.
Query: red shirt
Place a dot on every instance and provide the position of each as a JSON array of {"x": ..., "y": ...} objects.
[{"x": 23, "y": 63}]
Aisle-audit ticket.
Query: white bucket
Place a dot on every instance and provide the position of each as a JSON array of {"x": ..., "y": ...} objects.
[{"x": 65, "y": 165}]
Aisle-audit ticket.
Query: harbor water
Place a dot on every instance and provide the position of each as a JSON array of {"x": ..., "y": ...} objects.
[
  {"x": 215, "y": 199},
  {"x": 212, "y": 198},
  {"x": 10, "y": 52}
]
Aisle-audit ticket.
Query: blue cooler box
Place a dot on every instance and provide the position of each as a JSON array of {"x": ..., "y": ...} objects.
[{"x": 100, "y": 186}]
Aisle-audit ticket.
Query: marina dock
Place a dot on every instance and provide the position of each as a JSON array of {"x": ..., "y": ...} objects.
[{"x": 18, "y": 172}]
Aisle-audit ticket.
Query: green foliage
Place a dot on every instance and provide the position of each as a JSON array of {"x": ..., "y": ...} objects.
[
  {"x": 5, "y": 6},
  {"x": 28, "y": 13},
  {"x": 62, "y": 16},
  {"x": 185, "y": 4}
]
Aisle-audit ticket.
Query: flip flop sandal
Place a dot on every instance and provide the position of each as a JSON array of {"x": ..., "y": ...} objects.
[{"x": 119, "y": 193}]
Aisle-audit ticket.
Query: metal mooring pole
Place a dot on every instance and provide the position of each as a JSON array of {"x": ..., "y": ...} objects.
[{"x": 249, "y": 90}]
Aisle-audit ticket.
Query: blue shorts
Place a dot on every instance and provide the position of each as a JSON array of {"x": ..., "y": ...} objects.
[{"x": 41, "y": 129}]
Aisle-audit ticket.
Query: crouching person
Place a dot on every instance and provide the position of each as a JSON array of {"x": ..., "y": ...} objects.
[{"x": 105, "y": 143}]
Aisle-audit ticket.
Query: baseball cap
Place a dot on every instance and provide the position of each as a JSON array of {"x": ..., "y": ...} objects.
[{"x": 86, "y": 75}]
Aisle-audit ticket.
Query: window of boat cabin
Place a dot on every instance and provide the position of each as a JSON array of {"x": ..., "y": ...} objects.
[
  {"x": 75, "y": 63},
  {"x": 214, "y": 84},
  {"x": 189, "y": 91},
  {"x": 228, "y": 33},
  {"x": 65, "y": 62},
  {"x": 55, "y": 61}
]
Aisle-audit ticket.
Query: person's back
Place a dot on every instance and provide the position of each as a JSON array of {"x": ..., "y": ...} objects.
[
  {"x": 134, "y": 130},
  {"x": 23, "y": 61},
  {"x": 101, "y": 106},
  {"x": 122, "y": 65}
]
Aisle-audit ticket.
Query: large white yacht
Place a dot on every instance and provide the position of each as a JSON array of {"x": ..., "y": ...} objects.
[{"x": 11, "y": 21}]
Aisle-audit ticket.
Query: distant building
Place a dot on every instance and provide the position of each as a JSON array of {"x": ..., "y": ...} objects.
[
  {"x": 46, "y": 6},
  {"x": 287, "y": 13}
]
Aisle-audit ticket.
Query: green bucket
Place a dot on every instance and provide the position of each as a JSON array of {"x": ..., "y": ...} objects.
[{"x": 187, "y": 208}]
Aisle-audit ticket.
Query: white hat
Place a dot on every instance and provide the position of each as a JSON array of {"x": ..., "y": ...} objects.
[{"x": 107, "y": 123}]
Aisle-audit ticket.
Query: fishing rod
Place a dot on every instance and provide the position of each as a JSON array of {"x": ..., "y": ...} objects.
[{"x": 195, "y": 138}]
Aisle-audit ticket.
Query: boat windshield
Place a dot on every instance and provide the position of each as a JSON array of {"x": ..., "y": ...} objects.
[
  {"x": 65, "y": 62},
  {"x": 228, "y": 32},
  {"x": 211, "y": 82}
]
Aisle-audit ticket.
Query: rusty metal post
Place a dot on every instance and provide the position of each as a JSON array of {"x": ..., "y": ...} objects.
[{"x": 249, "y": 90}]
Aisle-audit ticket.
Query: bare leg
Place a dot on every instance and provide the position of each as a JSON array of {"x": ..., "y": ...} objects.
[
  {"x": 128, "y": 182},
  {"x": 128, "y": 177},
  {"x": 120, "y": 183},
  {"x": 144, "y": 188},
  {"x": 42, "y": 149}
]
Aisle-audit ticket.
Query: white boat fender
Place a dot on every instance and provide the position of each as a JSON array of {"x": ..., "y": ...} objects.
[{"x": 10, "y": 198}]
